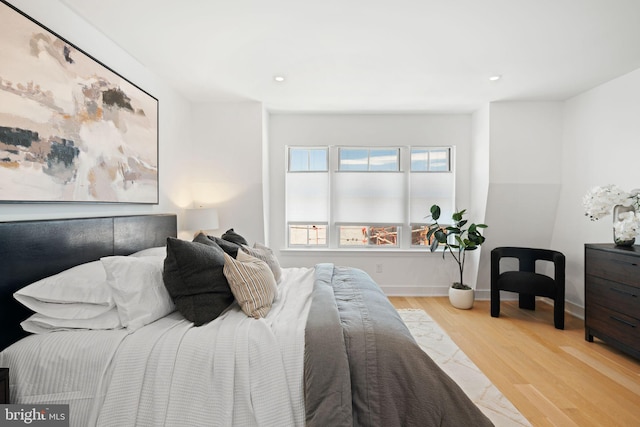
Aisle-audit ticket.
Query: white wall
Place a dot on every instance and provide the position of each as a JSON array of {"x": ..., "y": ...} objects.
[
  {"x": 174, "y": 120},
  {"x": 403, "y": 272},
  {"x": 525, "y": 137},
  {"x": 525, "y": 177},
  {"x": 479, "y": 189},
  {"x": 601, "y": 145},
  {"x": 226, "y": 165}
]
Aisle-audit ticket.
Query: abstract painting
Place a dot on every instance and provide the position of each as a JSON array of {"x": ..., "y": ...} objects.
[{"x": 71, "y": 129}]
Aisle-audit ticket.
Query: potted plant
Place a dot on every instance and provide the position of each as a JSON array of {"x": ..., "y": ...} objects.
[{"x": 456, "y": 240}]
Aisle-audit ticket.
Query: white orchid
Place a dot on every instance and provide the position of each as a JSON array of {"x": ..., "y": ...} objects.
[
  {"x": 627, "y": 226},
  {"x": 599, "y": 201}
]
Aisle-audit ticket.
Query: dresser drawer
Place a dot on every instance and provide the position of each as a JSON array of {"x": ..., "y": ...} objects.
[
  {"x": 613, "y": 266},
  {"x": 616, "y": 296},
  {"x": 623, "y": 328}
]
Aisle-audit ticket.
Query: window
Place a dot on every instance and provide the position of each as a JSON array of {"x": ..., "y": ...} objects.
[
  {"x": 431, "y": 179},
  {"x": 368, "y": 235},
  {"x": 307, "y": 235},
  {"x": 419, "y": 235},
  {"x": 307, "y": 196},
  {"x": 430, "y": 160},
  {"x": 369, "y": 159},
  {"x": 308, "y": 159},
  {"x": 366, "y": 197}
]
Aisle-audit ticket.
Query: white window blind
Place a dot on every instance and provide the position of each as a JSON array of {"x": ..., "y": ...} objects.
[
  {"x": 376, "y": 197},
  {"x": 427, "y": 189},
  {"x": 307, "y": 197},
  {"x": 365, "y": 196}
]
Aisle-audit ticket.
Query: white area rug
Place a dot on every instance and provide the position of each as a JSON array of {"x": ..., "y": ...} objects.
[{"x": 437, "y": 344}]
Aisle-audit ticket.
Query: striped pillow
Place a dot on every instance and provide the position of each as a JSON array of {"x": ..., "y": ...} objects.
[
  {"x": 251, "y": 282},
  {"x": 265, "y": 254}
]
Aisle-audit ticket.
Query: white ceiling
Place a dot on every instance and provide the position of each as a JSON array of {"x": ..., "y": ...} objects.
[{"x": 375, "y": 55}]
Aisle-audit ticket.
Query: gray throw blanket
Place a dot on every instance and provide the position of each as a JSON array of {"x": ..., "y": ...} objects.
[{"x": 363, "y": 367}]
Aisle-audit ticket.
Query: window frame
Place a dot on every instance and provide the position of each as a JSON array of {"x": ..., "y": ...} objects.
[
  {"x": 326, "y": 149},
  {"x": 340, "y": 149},
  {"x": 404, "y": 235},
  {"x": 307, "y": 245},
  {"x": 430, "y": 150},
  {"x": 369, "y": 226}
]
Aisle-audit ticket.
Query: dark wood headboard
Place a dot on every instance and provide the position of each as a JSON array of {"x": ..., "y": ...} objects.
[{"x": 32, "y": 250}]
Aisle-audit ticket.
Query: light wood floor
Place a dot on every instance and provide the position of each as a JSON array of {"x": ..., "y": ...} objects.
[{"x": 554, "y": 377}]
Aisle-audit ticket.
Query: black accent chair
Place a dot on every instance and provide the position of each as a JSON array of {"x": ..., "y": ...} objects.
[{"x": 526, "y": 282}]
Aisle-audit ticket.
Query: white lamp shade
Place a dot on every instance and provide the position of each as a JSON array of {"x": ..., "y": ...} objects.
[{"x": 201, "y": 218}]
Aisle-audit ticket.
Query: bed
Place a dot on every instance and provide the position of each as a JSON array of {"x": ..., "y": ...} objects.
[{"x": 327, "y": 349}]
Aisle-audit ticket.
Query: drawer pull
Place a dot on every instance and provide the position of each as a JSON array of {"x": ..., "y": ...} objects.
[
  {"x": 620, "y": 291},
  {"x": 618, "y": 261},
  {"x": 623, "y": 321}
]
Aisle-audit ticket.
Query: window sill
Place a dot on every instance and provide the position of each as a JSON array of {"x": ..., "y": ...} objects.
[{"x": 386, "y": 251}]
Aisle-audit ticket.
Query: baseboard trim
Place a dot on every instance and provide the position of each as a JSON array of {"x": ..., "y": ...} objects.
[
  {"x": 569, "y": 307},
  {"x": 415, "y": 291},
  {"x": 433, "y": 291},
  {"x": 481, "y": 295}
]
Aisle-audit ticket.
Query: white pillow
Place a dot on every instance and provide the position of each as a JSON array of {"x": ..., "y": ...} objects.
[
  {"x": 80, "y": 292},
  {"x": 40, "y": 324},
  {"x": 159, "y": 251},
  {"x": 138, "y": 289}
]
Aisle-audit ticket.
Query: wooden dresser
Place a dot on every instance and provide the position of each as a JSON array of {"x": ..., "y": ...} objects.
[{"x": 612, "y": 296}]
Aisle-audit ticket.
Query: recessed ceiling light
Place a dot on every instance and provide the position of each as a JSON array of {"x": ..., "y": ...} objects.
[
  {"x": 495, "y": 78},
  {"x": 279, "y": 79}
]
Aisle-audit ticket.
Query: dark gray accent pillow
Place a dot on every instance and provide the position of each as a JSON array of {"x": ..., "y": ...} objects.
[
  {"x": 193, "y": 275},
  {"x": 233, "y": 237},
  {"x": 206, "y": 240},
  {"x": 229, "y": 247}
]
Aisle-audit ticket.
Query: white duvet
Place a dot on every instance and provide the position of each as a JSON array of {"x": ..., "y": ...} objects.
[{"x": 234, "y": 371}]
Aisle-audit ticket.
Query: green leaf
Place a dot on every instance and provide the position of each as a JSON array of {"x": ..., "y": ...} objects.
[
  {"x": 468, "y": 239},
  {"x": 435, "y": 212}
]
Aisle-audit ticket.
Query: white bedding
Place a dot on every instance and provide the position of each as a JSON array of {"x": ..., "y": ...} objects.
[
  {"x": 61, "y": 368},
  {"x": 171, "y": 373}
]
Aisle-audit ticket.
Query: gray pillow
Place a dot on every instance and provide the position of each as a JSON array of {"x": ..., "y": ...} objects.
[
  {"x": 193, "y": 275},
  {"x": 233, "y": 237},
  {"x": 264, "y": 253},
  {"x": 229, "y": 247}
]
